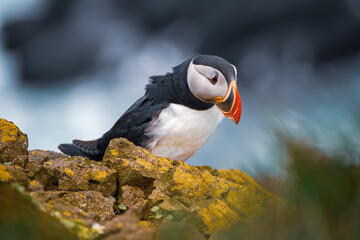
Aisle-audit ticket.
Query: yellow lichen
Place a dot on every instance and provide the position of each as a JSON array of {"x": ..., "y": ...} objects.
[
  {"x": 66, "y": 213},
  {"x": 79, "y": 228},
  {"x": 165, "y": 161},
  {"x": 208, "y": 178},
  {"x": 87, "y": 175},
  {"x": 145, "y": 164},
  {"x": 187, "y": 182},
  {"x": 152, "y": 156},
  {"x": 69, "y": 172},
  {"x": 50, "y": 163},
  {"x": 33, "y": 183},
  {"x": 144, "y": 223},
  {"x": 219, "y": 186},
  {"x": 114, "y": 152},
  {"x": 239, "y": 177},
  {"x": 246, "y": 201},
  {"x": 184, "y": 165},
  {"x": 162, "y": 164},
  {"x": 4, "y": 175},
  {"x": 81, "y": 195},
  {"x": 124, "y": 163},
  {"x": 145, "y": 151},
  {"x": 163, "y": 168},
  {"x": 9, "y": 132},
  {"x": 100, "y": 175},
  {"x": 50, "y": 204},
  {"x": 218, "y": 216},
  {"x": 198, "y": 185}
]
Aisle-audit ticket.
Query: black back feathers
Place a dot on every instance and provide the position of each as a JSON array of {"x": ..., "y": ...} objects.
[{"x": 133, "y": 124}]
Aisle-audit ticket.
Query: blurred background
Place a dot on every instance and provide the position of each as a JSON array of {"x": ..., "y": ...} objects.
[{"x": 70, "y": 68}]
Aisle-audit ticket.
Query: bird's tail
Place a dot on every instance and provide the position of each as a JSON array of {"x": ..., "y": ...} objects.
[{"x": 82, "y": 148}]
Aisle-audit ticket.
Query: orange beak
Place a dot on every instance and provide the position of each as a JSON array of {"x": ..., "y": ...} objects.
[{"x": 231, "y": 106}]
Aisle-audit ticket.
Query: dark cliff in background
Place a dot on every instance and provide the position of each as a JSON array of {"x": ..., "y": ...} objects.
[
  {"x": 65, "y": 39},
  {"x": 70, "y": 68}
]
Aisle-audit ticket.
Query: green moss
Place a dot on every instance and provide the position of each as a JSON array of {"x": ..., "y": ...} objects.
[{"x": 122, "y": 207}]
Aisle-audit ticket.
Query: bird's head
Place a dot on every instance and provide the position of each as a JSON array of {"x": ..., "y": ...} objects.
[{"x": 212, "y": 79}]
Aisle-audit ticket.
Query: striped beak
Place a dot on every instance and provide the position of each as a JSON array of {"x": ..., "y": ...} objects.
[{"x": 231, "y": 105}]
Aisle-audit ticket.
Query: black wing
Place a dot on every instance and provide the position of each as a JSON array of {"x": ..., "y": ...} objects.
[{"x": 131, "y": 125}]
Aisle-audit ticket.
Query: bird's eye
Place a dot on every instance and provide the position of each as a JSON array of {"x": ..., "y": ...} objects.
[{"x": 214, "y": 79}]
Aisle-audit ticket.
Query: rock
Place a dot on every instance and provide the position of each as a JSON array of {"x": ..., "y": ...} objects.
[
  {"x": 131, "y": 194},
  {"x": 127, "y": 226},
  {"x": 13, "y": 144},
  {"x": 93, "y": 203},
  {"x": 36, "y": 159},
  {"x": 75, "y": 174},
  {"x": 56, "y": 204},
  {"x": 134, "y": 197},
  {"x": 14, "y": 174},
  {"x": 214, "y": 198},
  {"x": 87, "y": 206},
  {"x": 35, "y": 186},
  {"x": 53, "y": 203},
  {"x": 21, "y": 219}
]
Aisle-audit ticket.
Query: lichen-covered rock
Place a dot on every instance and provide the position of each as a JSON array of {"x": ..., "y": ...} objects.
[
  {"x": 215, "y": 198},
  {"x": 93, "y": 203},
  {"x": 127, "y": 226},
  {"x": 74, "y": 218},
  {"x": 53, "y": 202},
  {"x": 35, "y": 186},
  {"x": 13, "y": 144},
  {"x": 131, "y": 194},
  {"x": 4, "y": 174},
  {"x": 36, "y": 159},
  {"x": 134, "y": 197},
  {"x": 76, "y": 174},
  {"x": 87, "y": 206},
  {"x": 14, "y": 174}
]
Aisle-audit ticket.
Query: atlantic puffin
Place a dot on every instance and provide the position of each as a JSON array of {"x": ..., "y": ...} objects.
[{"x": 178, "y": 113}]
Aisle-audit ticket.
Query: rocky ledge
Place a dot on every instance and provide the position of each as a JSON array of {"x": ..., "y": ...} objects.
[{"x": 130, "y": 194}]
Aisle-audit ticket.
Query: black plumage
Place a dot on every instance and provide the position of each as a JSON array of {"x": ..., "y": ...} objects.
[
  {"x": 160, "y": 92},
  {"x": 218, "y": 63}
]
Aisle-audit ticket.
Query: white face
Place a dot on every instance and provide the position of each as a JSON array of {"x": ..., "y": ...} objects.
[{"x": 206, "y": 83}]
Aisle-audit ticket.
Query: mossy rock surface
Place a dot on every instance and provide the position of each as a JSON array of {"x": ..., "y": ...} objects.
[
  {"x": 131, "y": 193},
  {"x": 13, "y": 143},
  {"x": 215, "y": 198}
]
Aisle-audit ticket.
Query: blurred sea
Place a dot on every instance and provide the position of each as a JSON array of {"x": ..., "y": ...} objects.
[{"x": 286, "y": 96}]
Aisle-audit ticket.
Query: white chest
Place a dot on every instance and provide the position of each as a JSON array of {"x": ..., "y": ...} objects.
[{"x": 180, "y": 131}]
